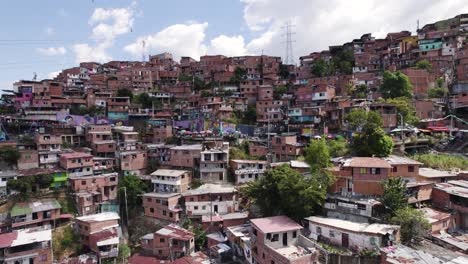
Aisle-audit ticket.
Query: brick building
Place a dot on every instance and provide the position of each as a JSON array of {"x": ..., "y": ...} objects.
[
  {"x": 170, "y": 242},
  {"x": 278, "y": 239}
]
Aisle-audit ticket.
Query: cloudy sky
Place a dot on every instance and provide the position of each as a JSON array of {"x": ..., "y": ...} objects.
[{"x": 48, "y": 35}]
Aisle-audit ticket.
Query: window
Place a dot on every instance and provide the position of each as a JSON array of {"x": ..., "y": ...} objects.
[
  {"x": 204, "y": 207},
  {"x": 395, "y": 169},
  {"x": 375, "y": 171},
  {"x": 411, "y": 168},
  {"x": 83, "y": 182},
  {"x": 362, "y": 170},
  {"x": 164, "y": 212},
  {"x": 331, "y": 233},
  {"x": 294, "y": 234},
  {"x": 151, "y": 210},
  {"x": 275, "y": 238},
  {"x": 195, "y": 208},
  {"x": 161, "y": 240},
  {"x": 361, "y": 206},
  {"x": 268, "y": 236},
  {"x": 318, "y": 230}
]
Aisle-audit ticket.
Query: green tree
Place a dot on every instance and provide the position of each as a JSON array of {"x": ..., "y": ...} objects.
[
  {"x": 437, "y": 92},
  {"x": 124, "y": 92},
  {"x": 371, "y": 139},
  {"x": 413, "y": 223},
  {"x": 135, "y": 187},
  {"x": 124, "y": 252},
  {"x": 394, "y": 196},
  {"x": 396, "y": 84},
  {"x": 278, "y": 91},
  {"x": 283, "y": 190},
  {"x": 283, "y": 71},
  {"x": 250, "y": 116},
  {"x": 337, "y": 147},
  {"x": 359, "y": 91},
  {"x": 44, "y": 180},
  {"x": 240, "y": 74},
  {"x": 320, "y": 68},
  {"x": 424, "y": 65},
  {"x": 360, "y": 119},
  {"x": 317, "y": 155},
  {"x": 406, "y": 109},
  {"x": 9, "y": 155},
  {"x": 372, "y": 143},
  {"x": 144, "y": 99}
]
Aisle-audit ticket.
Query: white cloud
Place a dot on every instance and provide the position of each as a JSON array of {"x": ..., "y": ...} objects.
[
  {"x": 107, "y": 24},
  {"x": 321, "y": 23},
  {"x": 179, "y": 39},
  {"x": 49, "y": 31},
  {"x": 52, "y": 75},
  {"x": 229, "y": 46},
  {"x": 85, "y": 53},
  {"x": 52, "y": 51}
]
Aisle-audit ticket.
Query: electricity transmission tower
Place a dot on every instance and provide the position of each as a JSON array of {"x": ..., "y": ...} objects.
[{"x": 289, "y": 59}]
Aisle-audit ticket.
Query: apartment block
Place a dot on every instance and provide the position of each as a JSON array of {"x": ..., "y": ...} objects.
[
  {"x": 93, "y": 191},
  {"x": 246, "y": 171},
  {"x": 77, "y": 164},
  {"x": 214, "y": 163},
  {"x": 211, "y": 199},
  {"x": 170, "y": 181},
  {"x": 100, "y": 233},
  {"x": 164, "y": 206}
]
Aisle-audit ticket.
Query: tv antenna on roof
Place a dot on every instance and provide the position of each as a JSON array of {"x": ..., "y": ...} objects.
[{"x": 289, "y": 59}]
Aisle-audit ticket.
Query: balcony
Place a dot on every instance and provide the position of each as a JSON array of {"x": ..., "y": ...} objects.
[{"x": 109, "y": 254}]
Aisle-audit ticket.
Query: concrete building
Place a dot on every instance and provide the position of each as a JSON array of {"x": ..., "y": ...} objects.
[
  {"x": 93, "y": 191},
  {"x": 77, "y": 164},
  {"x": 352, "y": 235},
  {"x": 246, "y": 171},
  {"x": 44, "y": 212},
  {"x": 163, "y": 206},
  {"x": 170, "y": 242},
  {"x": 211, "y": 199},
  {"x": 214, "y": 163},
  {"x": 278, "y": 239},
  {"x": 453, "y": 195},
  {"x": 185, "y": 156},
  {"x": 49, "y": 148},
  {"x": 170, "y": 181},
  {"x": 100, "y": 233},
  {"x": 26, "y": 246}
]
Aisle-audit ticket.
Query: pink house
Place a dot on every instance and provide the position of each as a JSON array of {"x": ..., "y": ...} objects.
[{"x": 278, "y": 239}]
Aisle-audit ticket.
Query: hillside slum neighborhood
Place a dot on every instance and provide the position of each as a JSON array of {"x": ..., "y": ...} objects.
[{"x": 164, "y": 161}]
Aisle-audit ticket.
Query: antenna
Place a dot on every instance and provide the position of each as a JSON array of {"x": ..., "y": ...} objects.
[
  {"x": 34, "y": 76},
  {"x": 143, "y": 44},
  {"x": 289, "y": 59}
]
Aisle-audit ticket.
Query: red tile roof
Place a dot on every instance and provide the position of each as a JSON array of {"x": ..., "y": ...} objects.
[
  {"x": 138, "y": 259},
  {"x": 365, "y": 162}
]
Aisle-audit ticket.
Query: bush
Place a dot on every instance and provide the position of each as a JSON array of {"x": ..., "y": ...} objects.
[{"x": 442, "y": 161}]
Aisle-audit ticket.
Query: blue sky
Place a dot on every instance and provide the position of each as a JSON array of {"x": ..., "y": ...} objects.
[{"x": 49, "y": 35}]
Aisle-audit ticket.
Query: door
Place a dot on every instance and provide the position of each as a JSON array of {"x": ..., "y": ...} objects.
[
  {"x": 216, "y": 208},
  {"x": 344, "y": 240},
  {"x": 285, "y": 239}
]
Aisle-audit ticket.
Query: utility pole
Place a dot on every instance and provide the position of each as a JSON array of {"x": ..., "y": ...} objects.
[{"x": 126, "y": 205}]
